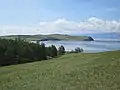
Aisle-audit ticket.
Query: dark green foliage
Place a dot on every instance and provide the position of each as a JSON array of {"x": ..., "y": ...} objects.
[
  {"x": 19, "y": 51},
  {"x": 43, "y": 51},
  {"x": 52, "y": 51},
  {"x": 61, "y": 50},
  {"x": 78, "y": 50}
]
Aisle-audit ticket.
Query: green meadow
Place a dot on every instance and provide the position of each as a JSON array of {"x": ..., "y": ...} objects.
[{"x": 82, "y": 71}]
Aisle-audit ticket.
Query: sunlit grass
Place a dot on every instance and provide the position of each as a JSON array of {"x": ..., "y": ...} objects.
[{"x": 99, "y": 71}]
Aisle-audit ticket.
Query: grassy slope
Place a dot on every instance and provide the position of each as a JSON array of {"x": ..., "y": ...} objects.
[
  {"x": 100, "y": 71},
  {"x": 39, "y": 37}
]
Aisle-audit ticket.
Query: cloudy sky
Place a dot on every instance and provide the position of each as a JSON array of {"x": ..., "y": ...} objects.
[{"x": 59, "y": 16}]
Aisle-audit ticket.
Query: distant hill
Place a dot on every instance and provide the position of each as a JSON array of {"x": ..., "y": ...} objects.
[
  {"x": 112, "y": 35},
  {"x": 51, "y": 37}
]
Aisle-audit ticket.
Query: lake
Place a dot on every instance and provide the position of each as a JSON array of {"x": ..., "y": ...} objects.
[{"x": 88, "y": 46}]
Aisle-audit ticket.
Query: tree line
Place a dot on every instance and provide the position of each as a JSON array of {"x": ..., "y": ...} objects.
[{"x": 19, "y": 51}]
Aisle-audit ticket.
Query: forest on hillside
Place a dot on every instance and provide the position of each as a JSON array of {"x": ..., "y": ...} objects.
[{"x": 19, "y": 51}]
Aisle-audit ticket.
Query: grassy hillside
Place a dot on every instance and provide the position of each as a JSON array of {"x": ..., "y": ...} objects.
[
  {"x": 96, "y": 71},
  {"x": 55, "y": 36}
]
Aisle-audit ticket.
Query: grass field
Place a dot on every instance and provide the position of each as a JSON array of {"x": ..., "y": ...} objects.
[{"x": 96, "y": 71}]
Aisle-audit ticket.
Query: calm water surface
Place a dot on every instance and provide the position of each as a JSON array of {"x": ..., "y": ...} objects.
[{"x": 88, "y": 46}]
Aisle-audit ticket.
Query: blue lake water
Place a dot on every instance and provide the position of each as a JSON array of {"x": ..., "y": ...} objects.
[{"x": 88, "y": 46}]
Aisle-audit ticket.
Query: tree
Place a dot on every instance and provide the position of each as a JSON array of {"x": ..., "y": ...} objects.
[
  {"x": 43, "y": 51},
  {"x": 61, "y": 50},
  {"x": 20, "y": 51},
  {"x": 77, "y": 50},
  {"x": 52, "y": 51}
]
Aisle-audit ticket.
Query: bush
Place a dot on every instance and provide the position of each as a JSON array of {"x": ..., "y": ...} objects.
[
  {"x": 51, "y": 51},
  {"x": 19, "y": 51},
  {"x": 77, "y": 50},
  {"x": 61, "y": 50}
]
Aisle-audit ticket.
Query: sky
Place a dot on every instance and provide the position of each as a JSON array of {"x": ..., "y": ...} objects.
[{"x": 59, "y": 16}]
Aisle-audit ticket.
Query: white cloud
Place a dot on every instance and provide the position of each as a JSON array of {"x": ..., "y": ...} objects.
[
  {"x": 63, "y": 26},
  {"x": 92, "y": 25}
]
